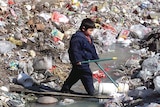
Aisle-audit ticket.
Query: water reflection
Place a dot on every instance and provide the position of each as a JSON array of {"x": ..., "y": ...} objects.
[{"x": 76, "y": 104}]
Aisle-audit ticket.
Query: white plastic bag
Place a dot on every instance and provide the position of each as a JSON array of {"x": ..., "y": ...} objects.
[
  {"x": 6, "y": 46},
  {"x": 140, "y": 30},
  {"x": 156, "y": 82}
]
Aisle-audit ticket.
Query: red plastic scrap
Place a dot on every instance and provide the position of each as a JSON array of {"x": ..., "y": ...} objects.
[
  {"x": 99, "y": 75},
  {"x": 58, "y": 17},
  {"x": 109, "y": 27},
  {"x": 11, "y": 2},
  {"x": 55, "y": 39}
]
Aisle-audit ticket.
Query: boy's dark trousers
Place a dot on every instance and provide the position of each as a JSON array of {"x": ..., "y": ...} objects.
[{"x": 82, "y": 73}]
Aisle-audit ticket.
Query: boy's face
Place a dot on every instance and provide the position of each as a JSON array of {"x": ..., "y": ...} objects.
[{"x": 88, "y": 32}]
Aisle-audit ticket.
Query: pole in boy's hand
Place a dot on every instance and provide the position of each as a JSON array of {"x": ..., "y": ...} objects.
[{"x": 99, "y": 60}]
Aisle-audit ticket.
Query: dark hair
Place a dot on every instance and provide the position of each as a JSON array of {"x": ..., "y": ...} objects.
[{"x": 87, "y": 23}]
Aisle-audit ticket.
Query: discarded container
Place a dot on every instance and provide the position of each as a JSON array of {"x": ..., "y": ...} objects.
[
  {"x": 110, "y": 88},
  {"x": 25, "y": 80},
  {"x": 107, "y": 88}
]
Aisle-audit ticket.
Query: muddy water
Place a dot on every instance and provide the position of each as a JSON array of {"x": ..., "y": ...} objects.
[
  {"x": 117, "y": 51},
  {"x": 76, "y": 104}
]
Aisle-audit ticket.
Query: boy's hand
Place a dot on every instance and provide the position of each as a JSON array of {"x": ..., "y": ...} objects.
[{"x": 79, "y": 63}]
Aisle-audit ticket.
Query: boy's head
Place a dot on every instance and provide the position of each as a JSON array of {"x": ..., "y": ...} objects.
[{"x": 87, "y": 26}]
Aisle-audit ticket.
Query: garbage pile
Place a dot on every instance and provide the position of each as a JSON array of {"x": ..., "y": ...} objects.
[
  {"x": 34, "y": 36},
  {"x": 142, "y": 75}
]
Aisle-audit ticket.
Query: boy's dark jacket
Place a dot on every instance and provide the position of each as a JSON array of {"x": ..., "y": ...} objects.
[{"x": 81, "y": 50}]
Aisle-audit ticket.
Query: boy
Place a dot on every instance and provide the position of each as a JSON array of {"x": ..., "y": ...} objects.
[{"x": 81, "y": 49}]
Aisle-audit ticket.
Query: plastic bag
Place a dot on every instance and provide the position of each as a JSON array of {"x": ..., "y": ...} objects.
[
  {"x": 57, "y": 17},
  {"x": 46, "y": 16},
  {"x": 98, "y": 75},
  {"x": 154, "y": 105},
  {"x": 140, "y": 30},
  {"x": 6, "y": 46},
  {"x": 151, "y": 64},
  {"x": 25, "y": 80},
  {"x": 2, "y": 24},
  {"x": 145, "y": 74},
  {"x": 156, "y": 82},
  {"x": 64, "y": 57}
]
